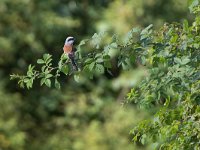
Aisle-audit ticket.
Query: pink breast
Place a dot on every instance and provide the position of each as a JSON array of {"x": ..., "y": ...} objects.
[{"x": 67, "y": 48}]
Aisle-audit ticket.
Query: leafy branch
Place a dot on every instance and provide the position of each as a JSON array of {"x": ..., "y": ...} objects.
[
  {"x": 94, "y": 63},
  {"x": 45, "y": 73}
]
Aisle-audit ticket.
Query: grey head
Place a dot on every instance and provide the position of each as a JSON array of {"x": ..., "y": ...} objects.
[{"x": 69, "y": 40}]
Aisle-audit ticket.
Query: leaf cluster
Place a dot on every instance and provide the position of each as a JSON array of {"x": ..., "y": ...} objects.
[{"x": 171, "y": 88}]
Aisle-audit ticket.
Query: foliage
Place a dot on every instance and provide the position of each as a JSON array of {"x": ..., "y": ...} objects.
[
  {"x": 94, "y": 63},
  {"x": 171, "y": 85}
]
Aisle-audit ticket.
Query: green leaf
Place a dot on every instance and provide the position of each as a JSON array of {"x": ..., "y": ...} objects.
[
  {"x": 145, "y": 32},
  {"x": 87, "y": 72},
  {"x": 196, "y": 45},
  {"x": 107, "y": 64},
  {"x": 30, "y": 70},
  {"x": 129, "y": 35},
  {"x": 64, "y": 57},
  {"x": 98, "y": 55},
  {"x": 29, "y": 83},
  {"x": 48, "y": 82},
  {"x": 143, "y": 138},
  {"x": 96, "y": 39},
  {"x": 21, "y": 83},
  {"x": 40, "y": 61},
  {"x": 99, "y": 60},
  {"x": 26, "y": 80},
  {"x": 185, "y": 61},
  {"x": 99, "y": 68},
  {"x": 65, "y": 69},
  {"x": 143, "y": 60},
  {"x": 48, "y": 61},
  {"x": 91, "y": 66},
  {"x": 113, "y": 45},
  {"x": 182, "y": 61},
  {"x": 46, "y": 56},
  {"x": 46, "y": 71},
  {"x": 57, "y": 84},
  {"x": 48, "y": 76},
  {"x": 177, "y": 60},
  {"x": 185, "y": 26},
  {"x": 43, "y": 68},
  {"x": 42, "y": 81},
  {"x": 106, "y": 57},
  {"x": 30, "y": 67},
  {"x": 29, "y": 74},
  {"x": 83, "y": 42},
  {"x": 77, "y": 77},
  {"x": 89, "y": 60}
]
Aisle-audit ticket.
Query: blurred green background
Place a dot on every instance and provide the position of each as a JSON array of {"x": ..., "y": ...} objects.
[{"x": 80, "y": 116}]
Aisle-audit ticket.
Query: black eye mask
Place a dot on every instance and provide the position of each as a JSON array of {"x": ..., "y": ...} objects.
[{"x": 71, "y": 39}]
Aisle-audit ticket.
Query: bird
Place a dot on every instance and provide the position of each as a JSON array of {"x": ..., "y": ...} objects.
[{"x": 69, "y": 50}]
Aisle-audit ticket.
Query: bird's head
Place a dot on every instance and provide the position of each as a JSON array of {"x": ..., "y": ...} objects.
[{"x": 69, "y": 40}]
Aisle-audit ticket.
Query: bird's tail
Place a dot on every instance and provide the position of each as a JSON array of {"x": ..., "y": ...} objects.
[{"x": 74, "y": 65}]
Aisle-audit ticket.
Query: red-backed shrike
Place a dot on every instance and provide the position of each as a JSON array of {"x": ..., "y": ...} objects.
[{"x": 69, "y": 49}]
